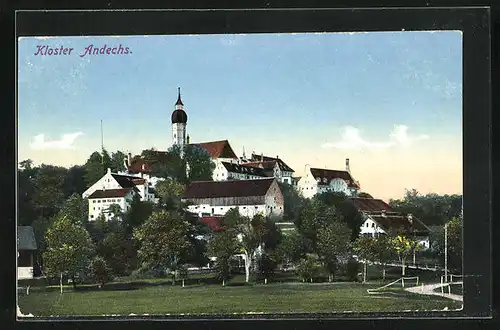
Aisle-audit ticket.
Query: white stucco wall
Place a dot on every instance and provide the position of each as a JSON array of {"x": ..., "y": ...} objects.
[
  {"x": 24, "y": 273},
  {"x": 178, "y": 134}
]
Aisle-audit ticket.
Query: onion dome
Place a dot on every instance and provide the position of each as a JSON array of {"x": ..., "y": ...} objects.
[{"x": 179, "y": 116}]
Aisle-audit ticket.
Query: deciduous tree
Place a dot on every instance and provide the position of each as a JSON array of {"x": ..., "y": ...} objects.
[
  {"x": 333, "y": 244},
  {"x": 163, "y": 240},
  {"x": 69, "y": 248},
  {"x": 223, "y": 245}
]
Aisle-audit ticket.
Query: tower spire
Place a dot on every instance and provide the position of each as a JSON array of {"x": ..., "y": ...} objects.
[{"x": 179, "y": 101}]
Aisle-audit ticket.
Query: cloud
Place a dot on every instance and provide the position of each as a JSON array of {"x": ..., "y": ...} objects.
[
  {"x": 352, "y": 139},
  {"x": 66, "y": 142}
]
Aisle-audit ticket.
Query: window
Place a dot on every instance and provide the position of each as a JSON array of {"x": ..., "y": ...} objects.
[
  {"x": 98, "y": 201},
  {"x": 373, "y": 225},
  {"x": 92, "y": 216},
  {"x": 212, "y": 210},
  {"x": 367, "y": 224},
  {"x": 94, "y": 207}
]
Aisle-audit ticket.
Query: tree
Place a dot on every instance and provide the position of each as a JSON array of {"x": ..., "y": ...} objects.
[
  {"x": 364, "y": 248},
  {"x": 315, "y": 214},
  {"x": 251, "y": 232},
  {"x": 200, "y": 163},
  {"x": 163, "y": 240},
  {"x": 74, "y": 182},
  {"x": 138, "y": 212},
  {"x": 455, "y": 243},
  {"x": 183, "y": 273},
  {"x": 118, "y": 161},
  {"x": 431, "y": 209},
  {"x": 94, "y": 169},
  {"x": 69, "y": 248},
  {"x": 292, "y": 201},
  {"x": 100, "y": 272},
  {"x": 48, "y": 193},
  {"x": 403, "y": 247},
  {"x": 117, "y": 250},
  {"x": 25, "y": 192},
  {"x": 266, "y": 266},
  {"x": 333, "y": 243},
  {"x": 308, "y": 267},
  {"x": 382, "y": 251},
  {"x": 96, "y": 166},
  {"x": 291, "y": 248},
  {"x": 223, "y": 245},
  {"x": 75, "y": 208},
  {"x": 170, "y": 193}
]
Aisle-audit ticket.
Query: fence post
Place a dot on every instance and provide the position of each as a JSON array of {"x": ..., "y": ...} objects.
[
  {"x": 442, "y": 287},
  {"x": 403, "y": 281}
]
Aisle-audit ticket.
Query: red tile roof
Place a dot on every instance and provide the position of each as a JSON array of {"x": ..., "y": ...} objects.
[
  {"x": 213, "y": 222},
  {"x": 110, "y": 193},
  {"x": 370, "y": 204},
  {"x": 139, "y": 164},
  {"x": 236, "y": 188},
  {"x": 329, "y": 175},
  {"x": 282, "y": 165},
  {"x": 244, "y": 169},
  {"x": 218, "y": 149},
  {"x": 398, "y": 221}
]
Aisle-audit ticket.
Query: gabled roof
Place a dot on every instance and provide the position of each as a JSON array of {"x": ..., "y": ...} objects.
[
  {"x": 244, "y": 169},
  {"x": 111, "y": 193},
  {"x": 370, "y": 204},
  {"x": 329, "y": 175},
  {"x": 282, "y": 165},
  {"x": 125, "y": 181},
  {"x": 266, "y": 165},
  {"x": 217, "y": 149},
  {"x": 236, "y": 188},
  {"x": 26, "y": 238},
  {"x": 398, "y": 221}
]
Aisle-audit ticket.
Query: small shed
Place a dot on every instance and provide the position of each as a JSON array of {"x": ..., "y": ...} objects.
[{"x": 26, "y": 248}]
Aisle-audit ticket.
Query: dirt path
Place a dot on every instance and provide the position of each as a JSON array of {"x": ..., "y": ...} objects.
[{"x": 429, "y": 290}]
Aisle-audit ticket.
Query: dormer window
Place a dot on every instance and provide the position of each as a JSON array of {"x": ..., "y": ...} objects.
[
  {"x": 318, "y": 179},
  {"x": 324, "y": 180}
]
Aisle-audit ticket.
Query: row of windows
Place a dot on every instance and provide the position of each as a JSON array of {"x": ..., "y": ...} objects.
[
  {"x": 112, "y": 200},
  {"x": 367, "y": 225}
]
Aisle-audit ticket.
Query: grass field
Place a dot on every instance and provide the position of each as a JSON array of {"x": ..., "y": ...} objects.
[{"x": 156, "y": 297}]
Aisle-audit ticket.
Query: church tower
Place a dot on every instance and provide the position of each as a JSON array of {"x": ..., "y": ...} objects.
[{"x": 179, "y": 122}]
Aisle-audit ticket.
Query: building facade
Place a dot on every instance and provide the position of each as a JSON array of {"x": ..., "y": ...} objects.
[
  {"x": 317, "y": 181},
  {"x": 380, "y": 219},
  {"x": 118, "y": 189},
  {"x": 251, "y": 197}
]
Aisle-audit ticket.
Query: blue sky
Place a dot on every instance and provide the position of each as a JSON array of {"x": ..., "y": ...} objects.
[{"x": 391, "y": 102}]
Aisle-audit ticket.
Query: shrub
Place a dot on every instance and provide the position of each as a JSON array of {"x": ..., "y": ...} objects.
[
  {"x": 99, "y": 271},
  {"x": 352, "y": 270},
  {"x": 308, "y": 268},
  {"x": 266, "y": 266}
]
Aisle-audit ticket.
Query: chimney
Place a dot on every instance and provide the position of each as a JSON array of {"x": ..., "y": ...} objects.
[
  {"x": 261, "y": 156},
  {"x": 410, "y": 218},
  {"x": 143, "y": 166},
  {"x": 383, "y": 213},
  {"x": 109, "y": 170},
  {"x": 347, "y": 167},
  {"x": 129, "y": 158}
]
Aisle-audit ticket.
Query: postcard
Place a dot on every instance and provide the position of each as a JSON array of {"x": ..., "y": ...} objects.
[{"x": 222, "y": 174}]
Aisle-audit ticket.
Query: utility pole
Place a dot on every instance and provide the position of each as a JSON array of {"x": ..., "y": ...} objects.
[
  {"x": 102, "y": 145},
  {"x": 446, "y": 252}
]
